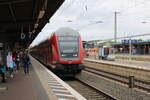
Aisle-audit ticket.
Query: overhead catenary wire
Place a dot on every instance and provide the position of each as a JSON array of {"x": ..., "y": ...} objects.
[
  {"x": 141, "y": 3},
  {"x": 87, "y": 8},
  {"x": 61, "y": 11},
  {"x": 82, "y": 7},
  {"x": 69, "y": 5},
  {"x": 137, "y": 14}
]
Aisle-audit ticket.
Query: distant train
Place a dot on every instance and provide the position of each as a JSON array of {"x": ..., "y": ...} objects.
[
  {"x": 62, "y": 52},
  {"x": 104, "y": 52}
]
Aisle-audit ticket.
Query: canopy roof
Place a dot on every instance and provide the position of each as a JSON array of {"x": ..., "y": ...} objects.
[{"x": 24, "y": 18}]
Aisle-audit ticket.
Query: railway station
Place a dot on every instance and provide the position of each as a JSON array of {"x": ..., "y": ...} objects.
[{"x": 63, "y": 66}]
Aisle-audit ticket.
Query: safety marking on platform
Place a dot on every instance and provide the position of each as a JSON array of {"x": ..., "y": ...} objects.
[
  {"x": 51, "y": 78},
  {"x": 54, "y": 84},
  {"x": 50, "y": 82},
  {"x": 57, "y": 87},
  {"x": 61, "y": 98},
  {"x": 66, "y": 98},
  {"x": 58, "y": 90},
  {"x": 62, "y": 92},
  {"x": 64, "y": 95}
]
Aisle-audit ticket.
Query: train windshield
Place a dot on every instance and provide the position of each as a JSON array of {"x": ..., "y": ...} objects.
[{"x": 69, "y": 47}]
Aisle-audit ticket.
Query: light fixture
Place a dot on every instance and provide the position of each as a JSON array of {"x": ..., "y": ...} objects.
[
  {"x": 36, "y": 25},
  {"x": 41, "y": 14},
  {"x": 33, "y": 31}
]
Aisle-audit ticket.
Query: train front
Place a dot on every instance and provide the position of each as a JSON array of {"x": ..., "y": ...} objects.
[{"x": 70, "y": 51}]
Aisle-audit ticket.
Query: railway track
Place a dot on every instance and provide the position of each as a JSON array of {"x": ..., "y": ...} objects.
[
  {"x": 88, "y": 92},
  {"x": 140, "y": 84}
]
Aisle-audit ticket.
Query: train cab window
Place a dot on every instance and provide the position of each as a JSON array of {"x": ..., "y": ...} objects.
[
  {"x": 106, "y": 51},
  {"x": 69, "y": 46}
]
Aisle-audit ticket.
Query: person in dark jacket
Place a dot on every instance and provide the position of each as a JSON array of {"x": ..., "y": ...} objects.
[{"x": 26, "y": 63}]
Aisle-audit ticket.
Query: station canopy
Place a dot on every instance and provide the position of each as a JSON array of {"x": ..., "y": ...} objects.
[{"x": 22, "y": 20}]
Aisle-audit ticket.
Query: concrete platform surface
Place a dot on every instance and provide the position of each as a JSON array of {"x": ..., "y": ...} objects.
[{"x": 22, "y": 87}]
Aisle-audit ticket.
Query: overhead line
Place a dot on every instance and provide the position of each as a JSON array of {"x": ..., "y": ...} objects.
[{"x": 134, "y": 6}]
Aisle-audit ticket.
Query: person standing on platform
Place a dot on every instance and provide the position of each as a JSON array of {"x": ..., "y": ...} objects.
[
  {"x": 2, "y": 72},
  {"x": 21, "y": 58},
  {"x": 10, "y": 64},
  {"x": 18, "y": 61},
  {"x": 26, "y": 63}
]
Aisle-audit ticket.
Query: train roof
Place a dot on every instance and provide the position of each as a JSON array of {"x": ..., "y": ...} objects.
[{"x": 66, "y": 32}]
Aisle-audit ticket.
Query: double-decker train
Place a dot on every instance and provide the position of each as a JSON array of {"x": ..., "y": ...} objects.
[{"x": 62, "y": 52}]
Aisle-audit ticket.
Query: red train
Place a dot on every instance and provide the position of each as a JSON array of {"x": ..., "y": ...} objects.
[{"x": 63, "y": 52}]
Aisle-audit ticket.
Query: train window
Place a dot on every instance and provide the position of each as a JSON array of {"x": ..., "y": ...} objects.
[
  {"x": 69, "y": 46},
  {"x": 67, "y": 38},
  {"x": 106, "y": 51}
]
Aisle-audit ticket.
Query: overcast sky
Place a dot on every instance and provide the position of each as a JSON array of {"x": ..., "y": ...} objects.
[{"x": 94, "y": 19}]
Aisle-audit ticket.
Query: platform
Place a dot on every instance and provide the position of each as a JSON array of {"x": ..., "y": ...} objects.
[
  {"x": 39, "y": 84},
  {"x": 143, "y": 65}
]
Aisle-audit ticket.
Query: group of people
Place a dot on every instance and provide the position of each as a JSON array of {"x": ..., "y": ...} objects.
[{"x": 16, "y": 60}]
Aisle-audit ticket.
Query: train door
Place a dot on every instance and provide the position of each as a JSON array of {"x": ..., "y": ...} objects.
[{"x": 50, "y": 53}]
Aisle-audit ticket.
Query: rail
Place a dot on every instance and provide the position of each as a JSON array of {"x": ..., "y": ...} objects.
[{"x": 130, "y": 81}]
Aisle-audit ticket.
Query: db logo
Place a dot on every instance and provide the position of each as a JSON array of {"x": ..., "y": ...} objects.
[{"x": 69, "y": 62}]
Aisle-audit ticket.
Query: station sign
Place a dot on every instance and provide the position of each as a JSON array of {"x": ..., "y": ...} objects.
[
  {"x": 22, "y": 36},
  {"x": 132, "y": 41}
]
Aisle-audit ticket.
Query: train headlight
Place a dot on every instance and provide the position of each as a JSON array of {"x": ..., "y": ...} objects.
[
  {"x": 75, "y": 55},
  {"x": 63, "y": 55}
]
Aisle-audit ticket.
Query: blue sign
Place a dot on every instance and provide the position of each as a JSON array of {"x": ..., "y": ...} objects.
[{"x": 132, "y": 41}]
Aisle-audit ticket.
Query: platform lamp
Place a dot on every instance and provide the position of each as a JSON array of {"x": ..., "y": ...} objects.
[
  {"x": 33, "y": 31},
  {"x": 41, "y": 14},
  {"x": 36, "y": 25}
]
